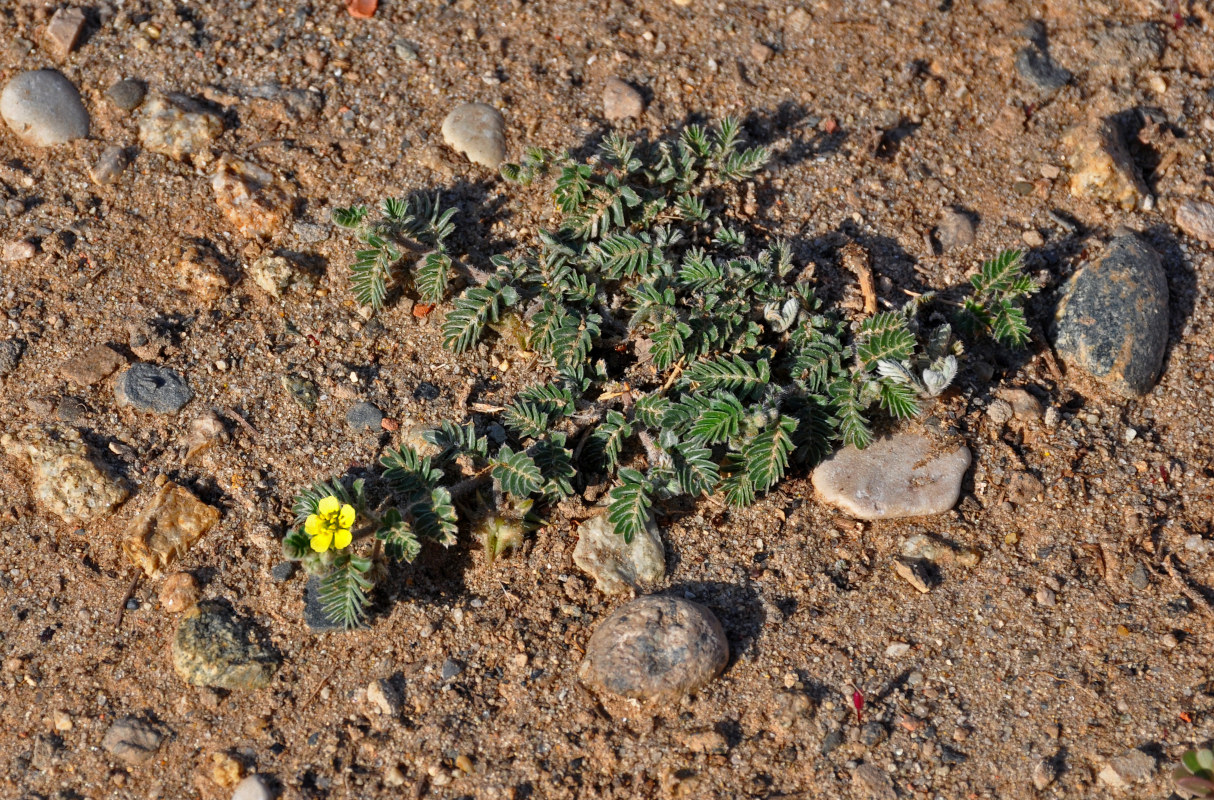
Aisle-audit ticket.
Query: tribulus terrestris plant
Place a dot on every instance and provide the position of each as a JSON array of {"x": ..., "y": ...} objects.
[
  {"x": 686, "y": 359},
  {"x": 1195, "y": 773}
]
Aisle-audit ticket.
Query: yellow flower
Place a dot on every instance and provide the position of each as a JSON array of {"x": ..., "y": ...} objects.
[{"x": 330, "y": 525}]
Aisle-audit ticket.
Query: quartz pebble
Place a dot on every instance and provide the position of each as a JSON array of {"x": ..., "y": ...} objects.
[
  {"x": 478, "y": 131},
  {"x": 149, "y": 387},
  {"x": 621, "y": 101},
  {"x": 896, "y": 476},
  {"x": 167, "y": 529},
  {"x": 18, "y": 251},
  {"x": 67, "y": 481},
  {"x": 384, "y": 697},
  {"x": 253, "y": 787},
  {"x": 1196, "y": 218},
  {"x": 255, "y": 202},
  {"x": 655, "y": 647},
  {"x": 179, "y": 128},
  {"x": 1112, "y": 319},
  {"x": 619, "y": 567},
  {"x": 1101, "y": 166},
  {"x": 1130, "y": 768},
  {"x": 200, "y": 273},
  {"x": 44, "y": 108}
]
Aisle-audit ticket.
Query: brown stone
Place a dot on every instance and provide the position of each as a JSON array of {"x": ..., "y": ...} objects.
[
  {"x": 64, "y": 31},
  {"x": 168, "y": 528},
  {"x": 253, "y": 200},
  {"x": 179, "y": 592},
  {"x": 92, "y": 366},
  {"x": 67, "y": 481},
  {"x": 1101, "y": 166}
]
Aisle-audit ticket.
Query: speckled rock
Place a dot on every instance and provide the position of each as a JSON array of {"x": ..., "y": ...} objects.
[
  {"x": 1126, "y": 49},
  {"x": 903, "y": 475},
  {"x": 1196, "y": 218},
  {"x": 44, "y": 108},
  {"x": 179, "y": 128},
  {"x": 149, "y": 387},
  {"x": 255, "y": 202},
  {"x": 873, "y": 782},
  {"x": 655, "y": 648},
  {"x": 364, "y": 416},
  {"x": 11, "y": 351},
  {"x": 955, "y": 230},
  {"x": 616, "y": 566},
  {"x": 201, "y": 274},
  {"x": 214, "y": 647},
  {"x": 93, "y": 365},
  {"x": 478, "y": 131},
  {"x": 621, "y": 101},
  {"x": 1101, "y": 166},
  {"x": 163, "y": 533},
  {"x": 126, "y": 94},
  {"x": 1112, "y": 319},
  {"x": 132, "y": 740},
  {"x": 1128, "y": 769},
  {"x": 179, "y": 592},
  {"x": 67, "y": 481},
  {"x": 276, "y": 275}
]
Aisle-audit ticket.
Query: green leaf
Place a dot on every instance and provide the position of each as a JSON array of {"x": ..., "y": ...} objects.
[
  {"x": 1008, "y": 324},
  {"x": 452, "y": 439},
  {"x": 555, "y": 462},
  {"x": 434, "y": 517},
  {"x": 350, "y": 217},
  {"x": 409, "y": 475},
  {"x": 898, "y": 399},
  {"x": 730, "y": 372},
  {"x": 478, "y": 306},
  {"x": 694, "y": 468},
  {"x": 369, "y": 277},
  {"x": 306, "y": 502},
  {"x": 630, "y": 502},
  {"x": 397, "y": 535},
  {"x": 526, "y": 420},
  {"x": 623, "y": 255},
  {"x": 849, "y": 414},
  {"x": 296, "y": 544},
  {"x": 893, "y": 343},
  {"x": 609, "y": 437},
  {"x": 517, "y": 473},
  {"x": 668, "y": 343},
  {"x": 720, "y": 420},
  {"x": 432, "y": 276},
  {"x": 767, "y": 454},
  {"x": 998, "y": 274},
  {"x": 343, "y": 592},
  {"x": 738, "y": 488},
  {"x": 650, "y": 409}
]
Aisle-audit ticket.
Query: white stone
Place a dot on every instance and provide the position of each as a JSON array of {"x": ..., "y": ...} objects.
[
  {"x": 252, "y": 788},
  {"x": 43, "y": 108},
  {"x": 478, "y": 131},
  {"x": 1127, "y": 769},
  {"x": 384, "y": 697},
  {"x": 904, "y": 475},
  {"x": 616, "y": 566}
]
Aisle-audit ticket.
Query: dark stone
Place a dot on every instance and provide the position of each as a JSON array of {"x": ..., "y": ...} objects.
[
  {"x": 314, "y": 613},
  {"x": 215, "y": 647},
  {"x": 831, "y": 741},
  {"x": 1112, "y": 319},
  {"x": 451, "y": 668},
  {"x": 10, "y": 355},
  {"x": 282, "y": 571},
  {"x": 127, "y": 94},
  {"x": 1128, "y": 48},
  {"x": 426, "y": 391},
  {"x": 1034, "y": 63},
  {"x": 71, "y": 410},
  {"x": 302, "y": 391},
  {"x": 873, "y": 733},
  {"x": 1139, "y": 578},
  {"x": 654, "y": 647},
  {"x": 149, "y": 387},
  {"x": 364, "y": 416}
]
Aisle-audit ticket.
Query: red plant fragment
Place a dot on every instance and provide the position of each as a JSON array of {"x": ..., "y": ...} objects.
[
  {"x": 422, "y": 309},
  {"x": 857, "y": 701}
]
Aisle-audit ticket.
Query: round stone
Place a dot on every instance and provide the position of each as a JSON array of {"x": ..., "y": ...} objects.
[
  {"x": 478, "y": 131},
  {"x": 903, "y": 475},
  {"x": 364, "y": 416},
  {"x": 655, "y": 647},
  {"x": 44, "y": 108},
  {"x": 149, "y": 387},
  {"x": 127, "y": 94},
  {"x": 1112, "y": 320},
  {"x": 621, "y": 101},
  {"x": 252, "y": 788}
]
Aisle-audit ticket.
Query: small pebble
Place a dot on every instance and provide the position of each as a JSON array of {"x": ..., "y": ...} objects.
[
  {"x": 394, "y": 777},
  {"x": 1169, "y": 640},
  {"x": 621, "y": 101},
  {"x": 44, "y": 108},
  {"x": 64, "y": 30},
  {"x": 477, "y": 131},
  {"x": 364, "y": 416},
  {"x": 1033, "y": 238},
  {"x": 179, "y": 592},
  {"x": 109, "y": 165},
  {"x": 1139, "y": 578},
  {"x": 1046, "y": 597},
  {"x": 451, "y": 668},
  {"x": 149, "y": 387},
  {"x": 126, "y": 94},
  {"x": 18, "y": 251},
  {"x": 955, "y": 230},
  {"x": 1000, "y": 412},
  {"x": 252, "y": 788},
  {"x": 1196, "y": 218},
  {"x": 282, "y": 571}
]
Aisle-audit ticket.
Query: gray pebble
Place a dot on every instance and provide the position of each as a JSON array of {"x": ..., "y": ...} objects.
[
  {"x": 126, "y": 94},
  {"x": 109, "y": 166},
  {"x": 1112, "y": 320},
  {"x": 1128, "y": 48},
  {"x": 149, "y": 387},
  {"x": 655, "y": 647},
  {"x": 621, "y": 101},
  {"x": 1139, "y": 578},
  {"x": 310, "y": 233},
  {"x": 478, "y": 131},
  {"x": 451, "y": 668},
  {"x": 282, "y": 571},
  {"x": 364, "y": 416},
  {"x": 873, "y": 733},
  {"x": 955, "y": 230},
  {"x": 11, "y": 351},
  {"x": 426, "y": 391},
  {"x": 132, "y": 740},
  {"x": 914, "y": 679},
  {"x": 71, "y": 410},
  {"x": 1196, "y": 218},
  {"x": 214, "y": 647},
  {"x": 43, "y": 108},
  {"x": 314, "y": 613}
]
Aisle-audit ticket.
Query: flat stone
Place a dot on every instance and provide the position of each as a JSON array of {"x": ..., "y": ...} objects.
[
  {"x": 43, "y": 108},
  {"x": 364, "y": 416},
  {"x": 149, "y": 387},
  {"x": 1126, "y": 49},
  {"x": 71, "y": 410},
  {"x": 1034, "y": 63},
  {"x": 132, "y": 740},
  {"x": 282, "y": 571},
  {"x": 1196, "y": 218},
  {"x": 214, "y": 647},
  {"x": 619, "y": 567},
  {"x": 314, "y": 612},
  {"x": 1025, "y": 407},
  {"x": 478, "y": 131},
  {"x": 1127, "y": 769},
  {"x": 955, "y": 230},
  {"x": 178, "y": 128},
  {"x": 1139, "y": 578},
  {"x": 1112, "y": 318},
  {"x": 166, "y": 530},
  {"x": 903, "y": 475},
  {"x": 253, "y": 200},
  {"x": 126, "y": 94},
  {"x": 11, "y": 351},
  {"x": 621, "y": 101},
  {"x": 68, "y": 482},
  {"x": 874, "y": 782},
  {"x": 655, "y": 647},
  {"x": 252, "y": 787},
  {"x": 92, "y": 366},
  {"x": 1101, "y": 166},
  {"x": 109, "y": 165},
  {"x": 64, "y": 31}
]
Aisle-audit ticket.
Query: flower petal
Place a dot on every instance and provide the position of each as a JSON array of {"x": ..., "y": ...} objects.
[
  {"x": 321, "y": 543},
  {"x": 328, "y": 506},
  {"x": 312, "y": 525},
  {"x": 342, "y": 538},
  {"x": 346, "y": 518}
]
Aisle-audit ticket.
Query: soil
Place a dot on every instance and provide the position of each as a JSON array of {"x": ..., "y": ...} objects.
[{"x": 1082, "y": 632}]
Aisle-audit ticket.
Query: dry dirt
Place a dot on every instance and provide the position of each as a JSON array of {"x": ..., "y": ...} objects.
[{"x": 882, "y": 116}]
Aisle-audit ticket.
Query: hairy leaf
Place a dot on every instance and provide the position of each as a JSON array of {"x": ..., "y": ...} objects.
[
  {"x": 517, "y": 473},
  {"x": 630, "y": 502}
]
